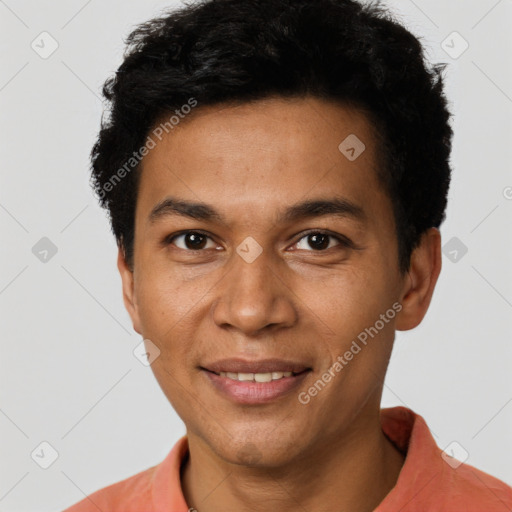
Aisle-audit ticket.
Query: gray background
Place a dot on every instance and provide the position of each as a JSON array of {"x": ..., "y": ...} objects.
[{"x": 68, "y": 374}]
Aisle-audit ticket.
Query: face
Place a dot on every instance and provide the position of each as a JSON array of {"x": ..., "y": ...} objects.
[{"x": 260, "y": 248}]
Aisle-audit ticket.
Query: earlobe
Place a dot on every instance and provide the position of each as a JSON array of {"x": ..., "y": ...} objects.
[
  {"x": 129, "y": 296},
  {"x": 420, "y": 281}
]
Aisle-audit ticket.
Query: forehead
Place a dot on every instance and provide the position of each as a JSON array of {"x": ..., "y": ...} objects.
[{"x": 253, "y": 158}]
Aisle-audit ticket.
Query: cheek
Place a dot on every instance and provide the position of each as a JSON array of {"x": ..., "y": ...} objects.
[
  {"x": 349, "y": 310},
  {"x": 170, "y": 312},
  {"x": 349, "y": 299},
  {"x": 164, "y": 297}
]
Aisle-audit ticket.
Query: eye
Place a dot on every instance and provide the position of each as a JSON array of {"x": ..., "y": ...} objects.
[
  {"x": 321, "y": 241},
  {"x": 191, "y": 241}
]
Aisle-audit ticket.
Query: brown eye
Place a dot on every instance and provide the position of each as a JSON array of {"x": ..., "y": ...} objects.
[
  {"x": 192, "y": 241},
  {"x": 319, "y": 241}
]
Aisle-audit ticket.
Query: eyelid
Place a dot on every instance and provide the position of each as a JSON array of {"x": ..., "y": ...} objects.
[
  {"x": 168, "y": 240},
  {"x": 343, "y": 240}
]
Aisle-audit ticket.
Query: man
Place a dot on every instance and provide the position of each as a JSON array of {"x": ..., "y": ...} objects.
[{"x": 276, "y": 172}]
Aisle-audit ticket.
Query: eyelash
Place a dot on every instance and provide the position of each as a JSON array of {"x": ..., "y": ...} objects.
[{"x": 342, "y": 240}]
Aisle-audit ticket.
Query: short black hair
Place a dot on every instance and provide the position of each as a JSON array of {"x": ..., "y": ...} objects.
[{"x": 215, "y": 51}]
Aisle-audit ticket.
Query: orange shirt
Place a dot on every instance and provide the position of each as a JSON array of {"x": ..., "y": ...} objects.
[{"x": 426, "y": 482}]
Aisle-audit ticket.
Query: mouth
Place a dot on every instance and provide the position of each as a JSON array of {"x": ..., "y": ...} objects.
[
  {"x": 257, "y": 377},
  {"x": 255, "y": 382}
]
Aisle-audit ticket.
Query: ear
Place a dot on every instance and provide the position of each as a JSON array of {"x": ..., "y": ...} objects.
[
  {"x": 420, "y": 281},
  {"x": 129, "y": 298}
]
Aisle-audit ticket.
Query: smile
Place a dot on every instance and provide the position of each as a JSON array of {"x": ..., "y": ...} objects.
[
  {"x": 256, "y": 377},
  {"x": 249, "y": 388}
]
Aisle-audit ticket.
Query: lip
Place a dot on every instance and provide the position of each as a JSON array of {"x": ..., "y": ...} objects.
[
  {"x": 251, "y": 392},
  {"x": 234, "y": 365}
]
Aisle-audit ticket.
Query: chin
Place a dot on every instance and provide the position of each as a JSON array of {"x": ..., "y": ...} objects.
[{"x": 257, "y": 451}]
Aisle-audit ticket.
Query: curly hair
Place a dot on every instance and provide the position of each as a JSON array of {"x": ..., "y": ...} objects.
[{"x": 215, "y": 51}]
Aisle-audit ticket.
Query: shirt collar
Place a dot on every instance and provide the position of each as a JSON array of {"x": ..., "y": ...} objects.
[
  {"x": 409, "y": 432},
  {"x": 404, "y": 428}
]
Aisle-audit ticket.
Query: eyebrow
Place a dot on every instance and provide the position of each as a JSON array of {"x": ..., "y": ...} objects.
[{"x": 337, "y": 206}]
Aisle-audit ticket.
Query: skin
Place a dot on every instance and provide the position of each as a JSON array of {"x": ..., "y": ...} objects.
[{"x": 249, "y": 162}]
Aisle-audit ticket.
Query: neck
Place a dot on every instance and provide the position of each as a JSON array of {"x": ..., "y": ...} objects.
[{"x": 353, "y": 472}]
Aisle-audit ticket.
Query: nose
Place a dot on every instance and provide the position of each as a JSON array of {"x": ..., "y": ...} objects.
[{"x": 252, "y": 298}]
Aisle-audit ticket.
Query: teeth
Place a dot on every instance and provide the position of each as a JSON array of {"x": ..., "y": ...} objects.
[{"x": 256, "y": 377}]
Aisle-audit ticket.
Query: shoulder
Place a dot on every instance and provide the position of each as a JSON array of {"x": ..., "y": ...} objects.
[
  {"x": 157, "y": 488},
  {"x": 430, "y": 479},
  {"x": 475, "y": 489},
  {"x": 127, "y": 495}
]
